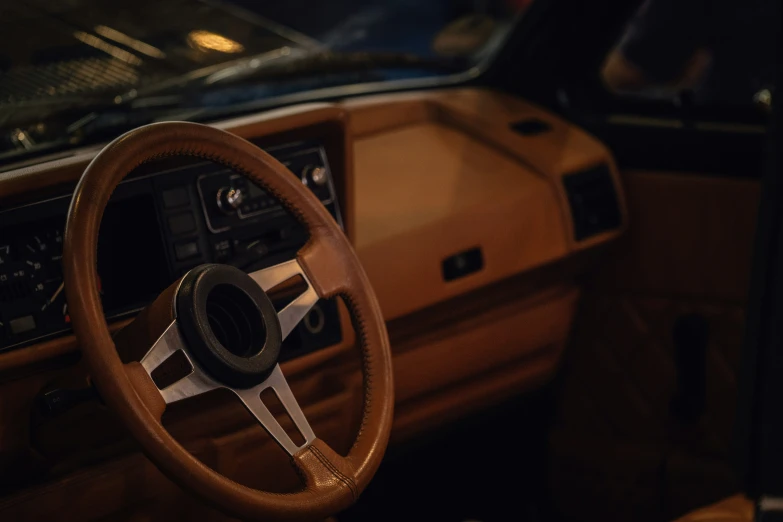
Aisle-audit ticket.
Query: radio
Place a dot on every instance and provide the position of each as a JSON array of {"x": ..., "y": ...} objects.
[{"x": 228, "y": 198}]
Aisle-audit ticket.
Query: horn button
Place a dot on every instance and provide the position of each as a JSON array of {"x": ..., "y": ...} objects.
[{"x": 229, "y": 324}]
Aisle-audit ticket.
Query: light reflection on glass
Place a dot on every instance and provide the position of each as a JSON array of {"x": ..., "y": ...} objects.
[
  {"x": 209, "y": 41},
  {"x": 108, "y": 48},
  {"x": 133, "y": 43}
]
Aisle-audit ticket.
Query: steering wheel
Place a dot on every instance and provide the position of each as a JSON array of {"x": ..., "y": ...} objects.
[{"x": 178, "y": 321}]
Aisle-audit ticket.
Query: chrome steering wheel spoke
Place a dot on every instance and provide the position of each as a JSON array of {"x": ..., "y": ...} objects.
[
  {"x": 251, "y": 398},
  {"x": 297, "y": 309},
  {"x": 196, "y": 382}
]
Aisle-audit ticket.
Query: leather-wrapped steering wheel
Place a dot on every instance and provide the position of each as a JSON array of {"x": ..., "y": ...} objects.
[{"x": 177, "y": 320}]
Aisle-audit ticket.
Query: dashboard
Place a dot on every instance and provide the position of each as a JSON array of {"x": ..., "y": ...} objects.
[
  {"x": 166, "y": 218},
  {"x": 474, "y": 214}
]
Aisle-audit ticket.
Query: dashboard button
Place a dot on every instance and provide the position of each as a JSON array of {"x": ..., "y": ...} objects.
[
  {"x": 222, "y": 250},
  {"x": 182, "y": 223},
  {"x": 186, "y": 250},
  {"x": 316, "y": 178},
  {"x": 462, "y": 264},
  {"x": 315, "y": 175},
  {"x": 229, "y": 199},
  {"x": 176, "y": 197}
]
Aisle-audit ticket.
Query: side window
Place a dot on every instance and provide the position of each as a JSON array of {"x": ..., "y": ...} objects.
[{"x": 714, "y": 52}]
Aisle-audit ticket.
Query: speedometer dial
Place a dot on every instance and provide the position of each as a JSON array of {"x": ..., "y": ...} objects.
[{"x": 31, "y": 282}]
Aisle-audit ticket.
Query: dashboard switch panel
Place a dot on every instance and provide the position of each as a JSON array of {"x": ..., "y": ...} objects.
[
  {"x": 228, "y": 199},
  {"x": 157, "y": 226}
]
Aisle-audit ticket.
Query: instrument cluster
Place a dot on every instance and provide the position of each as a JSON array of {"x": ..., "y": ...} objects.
[
  {"x": 159, "y": 224},
  {"x": 31, "y": 279}
]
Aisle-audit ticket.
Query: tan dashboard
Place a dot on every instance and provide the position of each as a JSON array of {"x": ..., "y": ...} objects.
[
  {"x": 422, "y": 177},
  {"x": 442, "y": 173}
]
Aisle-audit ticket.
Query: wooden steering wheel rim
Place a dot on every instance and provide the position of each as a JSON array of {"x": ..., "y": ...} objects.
[{"x": 332, "y": 482}]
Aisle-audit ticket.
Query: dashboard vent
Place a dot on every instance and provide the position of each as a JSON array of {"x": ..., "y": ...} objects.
[
  {"x": 593, "y": 199},
  {"x": 531, "y": 127}
]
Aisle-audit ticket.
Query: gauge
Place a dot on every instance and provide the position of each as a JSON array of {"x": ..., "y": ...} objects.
[
  {"x": 52, "y": 299},
  {"x": 50, "y": 282},
  {"x": 15, "y": 274},
  {"x": 32, "y": 299},
  {"x": 5, "y": 262},
  {"x": 31, "y": 256},
  {"x": 31, "y": 294}
]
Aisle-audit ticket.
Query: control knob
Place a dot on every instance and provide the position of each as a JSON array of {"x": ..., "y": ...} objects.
[
  {"x": 229, "y": 199},
  {"x": 314, "y": 174}
]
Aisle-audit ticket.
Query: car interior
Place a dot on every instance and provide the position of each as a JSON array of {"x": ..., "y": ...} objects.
[{"x": 451, "y": 260}]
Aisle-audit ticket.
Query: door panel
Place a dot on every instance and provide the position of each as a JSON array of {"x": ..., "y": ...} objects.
[{"x": 618, "y": 452}]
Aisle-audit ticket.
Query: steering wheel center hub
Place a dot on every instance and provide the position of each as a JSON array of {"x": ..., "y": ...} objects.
[{"x": 229, "y": 324}]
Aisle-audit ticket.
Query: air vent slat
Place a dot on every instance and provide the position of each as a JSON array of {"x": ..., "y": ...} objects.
[{"x": 593, "y": 199}]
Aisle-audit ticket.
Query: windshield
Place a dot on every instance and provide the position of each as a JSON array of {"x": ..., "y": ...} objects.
[{"x": 76, "y": 71}]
